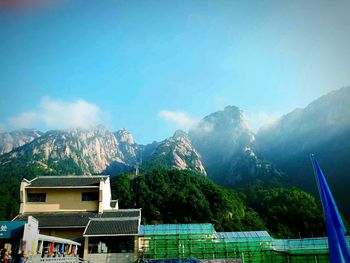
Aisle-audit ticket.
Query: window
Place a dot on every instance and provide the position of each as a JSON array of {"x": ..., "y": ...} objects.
[
  {"x": 36, "y": 198},
  {"x": 120, "y": 244},
  {"x": 89, "y": 196}
]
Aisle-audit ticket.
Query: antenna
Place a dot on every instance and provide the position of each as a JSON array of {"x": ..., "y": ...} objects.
[
  {"x": 141, "y": 158},
  {"x": 137, "y": 169}
]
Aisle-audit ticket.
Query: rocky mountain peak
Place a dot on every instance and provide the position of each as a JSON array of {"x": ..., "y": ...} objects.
[
  {"x": 180, "y": 134},
  {"x": 231, "y": 116},
  {"x": 231, "y": 109},
  {"x": 94, "y": 130},
  {"x": 177, "y": 152},
  {"x": 124, "y": 136},
  {"x": 225, "y": 129},
  {"x": 226, "y": 145}
]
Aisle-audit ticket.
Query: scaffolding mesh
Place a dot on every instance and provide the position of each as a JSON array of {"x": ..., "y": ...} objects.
[
  {"x": 176, "y": 243},
  {"x": 178, "y": 229}
]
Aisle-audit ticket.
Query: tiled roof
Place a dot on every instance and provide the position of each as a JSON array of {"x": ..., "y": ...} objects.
[
  {"x": 56, "y": 220},
  {"x": 112, "y": 226},
  {"x": 122, "y": 213},
  {"x": 77, "y": 219},
  {"x": 66, "y": 181}
]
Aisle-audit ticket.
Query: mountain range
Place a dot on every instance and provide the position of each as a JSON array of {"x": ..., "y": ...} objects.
[
  {"x": 98, "y": 151},
  {"x": 221, "y": 146}
]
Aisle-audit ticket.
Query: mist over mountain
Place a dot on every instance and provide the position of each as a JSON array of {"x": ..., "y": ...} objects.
[
  {"x": 320, "y": 122},
  {"x": 15, "y": 139},
  {"x": 226, "y": 145},
  {"x": 322, "y": 128}
]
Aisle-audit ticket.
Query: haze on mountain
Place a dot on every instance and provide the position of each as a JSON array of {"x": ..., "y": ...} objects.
[
  {"x": 15, "y": 139},
  {"x": 322, "y": 128},
  {"x": 226, "y": 145}
]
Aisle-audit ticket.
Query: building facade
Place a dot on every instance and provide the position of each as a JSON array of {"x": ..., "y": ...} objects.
[{"x": 81, "y": 208}]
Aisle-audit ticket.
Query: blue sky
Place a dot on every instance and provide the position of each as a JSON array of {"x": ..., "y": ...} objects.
[{"x": 155, "y": 66}]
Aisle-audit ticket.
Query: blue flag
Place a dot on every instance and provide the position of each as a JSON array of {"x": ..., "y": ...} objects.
[
  {"x": 337, "y": 245},
  {"x": 62, "y": 249}
]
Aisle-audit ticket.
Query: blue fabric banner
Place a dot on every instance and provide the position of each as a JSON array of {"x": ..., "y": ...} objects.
[{"x": 338, "y": 247}]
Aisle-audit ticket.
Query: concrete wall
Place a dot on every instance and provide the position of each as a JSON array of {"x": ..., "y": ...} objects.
[
  {"x": 105, "y": 187},
  {"x": 22, "y": 196},
  {"x": 111, "y": 257},
  {"x": 30, "y": 236},
  {"x": 59, "y": 200}
]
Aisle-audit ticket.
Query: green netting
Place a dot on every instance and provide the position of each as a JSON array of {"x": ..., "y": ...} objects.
[
  {"x": 202, "y": 242},
  {"x": 178, "y": 229}
]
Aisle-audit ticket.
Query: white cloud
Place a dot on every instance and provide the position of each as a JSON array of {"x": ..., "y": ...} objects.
[
  {"x": 56, "y": 114},
  {"x": 258, "y": 119},
  {"x": 181, "y": 119}
]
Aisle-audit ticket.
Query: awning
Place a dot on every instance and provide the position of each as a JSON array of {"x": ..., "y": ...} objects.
[{"x": 57, "y": 240}]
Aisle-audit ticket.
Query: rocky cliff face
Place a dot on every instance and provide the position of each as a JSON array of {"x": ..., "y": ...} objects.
[
  {"x": 177, "y": 152},
  {"x": 96, "y": 151},
  {"x": 15, "y": 139},
  {"x": 226, "y": 145},
  {"x": 85, "y": 151},
  {"x": 127, "y": 146}
]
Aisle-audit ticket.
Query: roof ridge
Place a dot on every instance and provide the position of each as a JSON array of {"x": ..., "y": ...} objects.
[
  {"x": 71, "y": 176},
  {"x": 30, "y": 181},
  {"x": 113, "y": 218},
  {"x": 59, "y": 212},
  {"x": 121, "y": 210}
]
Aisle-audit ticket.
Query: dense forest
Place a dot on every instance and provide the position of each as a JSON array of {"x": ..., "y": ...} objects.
[{"x": 173, "y": 196}]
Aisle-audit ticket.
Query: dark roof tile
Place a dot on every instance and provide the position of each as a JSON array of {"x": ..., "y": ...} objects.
[
  {"x": 53, "y": 220},
  {"x": 66, "y": 181},
  {"x": 100, "y": 227},
  {"x": 122, "y": 213},
  {"x": 77, "y": 219}
]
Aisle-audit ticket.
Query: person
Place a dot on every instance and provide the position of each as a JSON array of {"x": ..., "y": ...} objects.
[
  {"x": 16, "y": 258},
  {"x": 10, "y": 256},
  {"x": 4, "y": 256},
  {"x": 21, "y": 257}
]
